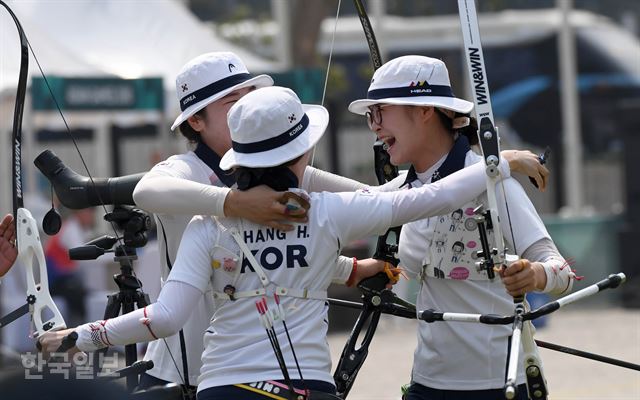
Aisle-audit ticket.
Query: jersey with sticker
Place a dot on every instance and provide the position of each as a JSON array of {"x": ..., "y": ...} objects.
[
  {"x": 226, "y": 258},
  {"x": 453, "y": 253}
]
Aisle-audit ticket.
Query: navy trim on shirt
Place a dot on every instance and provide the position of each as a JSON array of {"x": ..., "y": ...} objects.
[{"x": 212, "y": 159}]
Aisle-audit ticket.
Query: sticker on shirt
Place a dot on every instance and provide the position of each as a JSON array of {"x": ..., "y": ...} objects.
[
  {"x": 453, "y": 253},
  {"x": 225, "y": 260}
]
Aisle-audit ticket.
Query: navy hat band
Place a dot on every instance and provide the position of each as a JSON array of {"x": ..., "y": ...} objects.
[
  {"x": 274, "y": 142},
  {"x": 411, "y": 91},
  {"x": 212, "y": 89}
]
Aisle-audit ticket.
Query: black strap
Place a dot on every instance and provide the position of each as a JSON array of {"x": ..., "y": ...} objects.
[
  {"x": 212, "y": 159},
  {"x": 419, "y": 90},
  {"x": 183, "y": 346}
]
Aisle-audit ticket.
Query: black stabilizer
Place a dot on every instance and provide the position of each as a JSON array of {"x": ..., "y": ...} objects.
[
  {"x": 612, "y": 281},
  {"x": 430, "y": 315},
  {"x": 492, "y": 319},
  {"x": 543, "y": 310}
]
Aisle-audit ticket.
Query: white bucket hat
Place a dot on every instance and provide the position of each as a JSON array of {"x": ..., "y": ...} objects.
[
  {"x": 412, "y": 80},
  {"x": 210, "y": 77},
  {"x": 270, "y": 126}
]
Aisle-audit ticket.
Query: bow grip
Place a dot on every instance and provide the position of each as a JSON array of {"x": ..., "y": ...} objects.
[{"x": 41, "y": 304}]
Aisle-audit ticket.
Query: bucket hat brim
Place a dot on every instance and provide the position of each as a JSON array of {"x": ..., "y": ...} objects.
[
  {"x": 450, "y": 103},
  {"x": 318, "y": 121},
  {"x": 257, "y": 81}
]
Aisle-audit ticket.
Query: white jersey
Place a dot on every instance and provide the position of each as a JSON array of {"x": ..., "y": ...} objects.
[
  {"x": 457, "y": 355},
  {"x": 167, "y": 358},
  {"x": 237, "y": 349},
  {"x": 170, "y": 228}
]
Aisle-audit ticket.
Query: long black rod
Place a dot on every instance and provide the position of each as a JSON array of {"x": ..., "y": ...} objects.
[
  {"x": 585, "y": 354},
  {"x": 543, "y": 344}
]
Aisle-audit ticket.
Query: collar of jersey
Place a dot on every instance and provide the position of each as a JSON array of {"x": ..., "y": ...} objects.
[
  {"x": 454, "y": 162},
  {"x": 212, "y": 159}
]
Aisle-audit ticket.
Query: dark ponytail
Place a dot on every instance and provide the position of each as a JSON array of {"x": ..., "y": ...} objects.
[
  {"x": 278, "y": 178},
  {"x": 470, "y": 130}
]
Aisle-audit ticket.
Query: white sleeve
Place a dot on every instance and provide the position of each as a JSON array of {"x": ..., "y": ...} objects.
[
  {"x": 560, "y": 276},
  {"x": 161, "y": 193},
  {"x": 363, "y": 213},
  {"x": 161, "y": 319},
  {"x": 343, "y": 269},
  {"x": 317, "y": 180},
  {"x": 443, "y": 196}
]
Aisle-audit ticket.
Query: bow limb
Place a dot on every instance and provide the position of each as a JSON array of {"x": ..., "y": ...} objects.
[
  {"x": 39, "y": 301},
  {"x": 496, "y": 256},
  {"x": 376, "y": 299}
]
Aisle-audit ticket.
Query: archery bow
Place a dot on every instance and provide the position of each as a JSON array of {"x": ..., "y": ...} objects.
[
  {"x": 44, "y": 313},
  {"x": 39, "y": 301},
  {"x": 496, "y": 256},
  {"x": 376, "y": 299}
]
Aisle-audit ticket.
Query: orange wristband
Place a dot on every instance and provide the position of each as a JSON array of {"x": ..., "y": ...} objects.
[{"x": 352, "y": 277}]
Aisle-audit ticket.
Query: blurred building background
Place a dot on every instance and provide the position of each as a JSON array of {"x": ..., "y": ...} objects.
[{"x": 113, "y": 65}]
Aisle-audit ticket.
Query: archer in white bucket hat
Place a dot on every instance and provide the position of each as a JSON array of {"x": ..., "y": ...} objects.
[
  {"x": 412, "y": 80},
  {"x": 270, "y": 126},
  {"x": 210, "y": 77}
]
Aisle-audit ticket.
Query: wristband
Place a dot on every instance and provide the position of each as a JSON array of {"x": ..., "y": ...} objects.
[{"x": 352, "y": 277}]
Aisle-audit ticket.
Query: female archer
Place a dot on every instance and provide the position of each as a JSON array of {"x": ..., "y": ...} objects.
[
  {"x": 272, "y": 134},
  {"x": 411, "y": 107}
]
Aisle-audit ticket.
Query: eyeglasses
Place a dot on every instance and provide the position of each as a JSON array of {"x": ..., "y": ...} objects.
[{"x": 374, "y": 115}]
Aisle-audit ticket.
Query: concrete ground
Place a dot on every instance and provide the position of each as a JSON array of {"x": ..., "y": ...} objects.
[{"x": 615, "y": 332}]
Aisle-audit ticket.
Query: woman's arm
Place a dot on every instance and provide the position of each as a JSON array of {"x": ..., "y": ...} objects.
[
  {"x": 521, "y": 161},
  {"x": 541, "y": 269},
  {"x": 317, "y": 180},
  {"x": 443, "y": 196},
  {"x": 161, "y": 319},
  {"x": 160, "y": 193}
]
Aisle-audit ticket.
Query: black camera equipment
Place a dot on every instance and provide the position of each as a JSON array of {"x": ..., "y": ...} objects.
[
  {"x": 134, "y": 224},
  {"x": 76, "y": 191}
]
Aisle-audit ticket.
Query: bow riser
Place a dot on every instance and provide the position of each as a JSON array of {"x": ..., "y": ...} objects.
[
  {"x": 38, "y": 297},
  {"x": 497, "y": 256},
  {"x": 487, "y": 131}
]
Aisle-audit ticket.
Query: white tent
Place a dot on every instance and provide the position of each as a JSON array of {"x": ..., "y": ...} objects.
[
  {"x": 127, "y": 39},
  {"x": 100, "y": 38}
]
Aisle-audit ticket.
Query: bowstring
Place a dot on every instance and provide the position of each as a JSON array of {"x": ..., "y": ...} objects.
[
  {"x": 102, "y": 204},
  {"x": 326, "y": 77}
]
